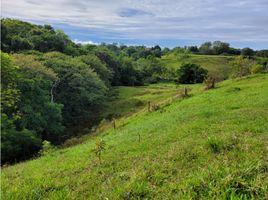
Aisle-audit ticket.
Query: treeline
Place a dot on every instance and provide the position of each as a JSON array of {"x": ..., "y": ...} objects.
[
  {"x": 53, "y": 89},
  {"x": 223, "y": 48}
]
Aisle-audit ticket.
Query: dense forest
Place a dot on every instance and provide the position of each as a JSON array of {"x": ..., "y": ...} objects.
[{"x": 54, "y": 89}]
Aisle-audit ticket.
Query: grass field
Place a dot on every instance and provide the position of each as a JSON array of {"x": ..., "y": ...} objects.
[
  {"x": 128, "y": 100},
  {"x": 217, "y": 65},
  {"x": 211, "y": 145}
]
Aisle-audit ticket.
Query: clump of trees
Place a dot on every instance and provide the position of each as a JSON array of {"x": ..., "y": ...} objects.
[
  {"x": 224, "y": 48},
  {"x": 28, "y": 115},
  {"x": 191, "y": 73}
]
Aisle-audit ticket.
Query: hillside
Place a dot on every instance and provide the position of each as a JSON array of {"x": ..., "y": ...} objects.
[
  {"x": 54, "y": 89},
  {"x": 217, "y": 65},
  {"x": 127, "y": 100},
  {"x": 210, "y": 145}
]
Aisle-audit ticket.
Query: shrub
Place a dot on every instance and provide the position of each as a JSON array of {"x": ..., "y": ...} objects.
[
  {"x": 257, "y": 68},
  {"x": 191, "y": 73},
  {"x": 210, "y": 82},
  {"x": 241, "y": 66},
  {"x": 47, "y": 148},
  {"x": 18, "y": 145}
]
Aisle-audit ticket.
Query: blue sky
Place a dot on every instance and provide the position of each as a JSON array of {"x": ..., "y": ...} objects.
[{"x": 169, "y": 23}]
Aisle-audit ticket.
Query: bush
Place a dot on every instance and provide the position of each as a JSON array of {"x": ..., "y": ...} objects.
[
  {"x": 257, "y": 68},
  {"x": 18, "y": 145},
  {"x": 191, "y": 73},
  {"x": 241, "y": 66},
  {"x": 210, "y": 82},
  {"x": 46, "y": 148}
]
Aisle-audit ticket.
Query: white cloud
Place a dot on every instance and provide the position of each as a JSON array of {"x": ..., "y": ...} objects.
[
  {"x": 241, "y": 20},
  {"x": 84, "y": 42}
]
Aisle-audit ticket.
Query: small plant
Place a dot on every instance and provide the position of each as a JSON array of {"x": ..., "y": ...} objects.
[
  {"x": 99, "y": 148},
  {"x": 215, "y": 145},
  {"x": 47, "y": 148},
  {"x": 210, "y": 82}
]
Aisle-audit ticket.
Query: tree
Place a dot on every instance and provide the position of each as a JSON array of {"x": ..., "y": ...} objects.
[
  {"x": 262, "y": 53},
  {"x": 10, "y": 93},
  {"x": 109, "y": 58},
  {"x": 16, "y": 143},
  {"x": 165, "y": 51},
  {"x": 18, "y": 35},
  {"x": 193, "y": 49},
  {"x": 220, "y": 47},
  {"x": 156, "y": 51},
  {"x": 191, "y": 73},
  {"x": 206, "y": 48},
  {"x": 80, "y": 90},
  {"x": 129, "y": 74},
  {"x": 40, "y": 114},
  {"x": 99, "y": 67},
  {"x": 248, "y": 52}
]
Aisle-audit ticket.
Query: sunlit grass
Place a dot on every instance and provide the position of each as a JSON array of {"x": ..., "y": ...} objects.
[{"x": 211, "y": 145}]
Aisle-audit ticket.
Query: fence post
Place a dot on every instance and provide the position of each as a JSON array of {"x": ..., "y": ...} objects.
[
  {"x": 149, "y": 106},
  {"x": 185, "y": 91},
  {"x": 114, "y": 125}
]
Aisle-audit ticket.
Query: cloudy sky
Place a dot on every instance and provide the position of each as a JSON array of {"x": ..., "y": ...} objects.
[{"x": 166, "y": 22}]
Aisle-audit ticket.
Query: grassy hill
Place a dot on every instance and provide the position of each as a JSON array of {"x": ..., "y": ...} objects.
[
  {"x": 211, "y": 145},
  {"x": 215, "y": 64},
  {"x": 127, "y": 100}
]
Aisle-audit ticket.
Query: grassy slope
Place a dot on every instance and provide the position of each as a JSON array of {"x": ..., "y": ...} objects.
[
  {"x": 214, "y": 64},
  {"x": 128, "y": 100},
  {"x": 213, "y": 144}
]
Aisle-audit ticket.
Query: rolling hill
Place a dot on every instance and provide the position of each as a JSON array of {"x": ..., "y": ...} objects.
[
  {"x": 210, "y": 145},
  {"x": 217, "y": 65}
]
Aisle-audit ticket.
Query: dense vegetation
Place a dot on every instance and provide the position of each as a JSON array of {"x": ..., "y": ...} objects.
[
  {"x": 211, "y": 145},
  {"x": 54, "y": 89}
]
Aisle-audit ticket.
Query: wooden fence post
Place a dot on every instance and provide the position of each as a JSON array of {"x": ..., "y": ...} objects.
[
  {"x": 185, "y": 91},
  {"x": 114, "y": 125}
]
